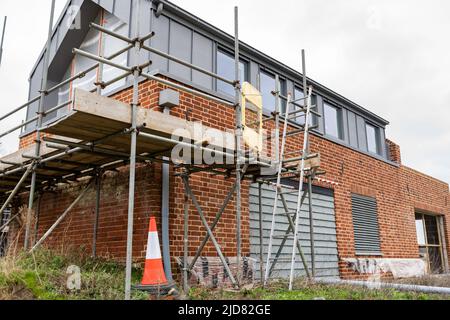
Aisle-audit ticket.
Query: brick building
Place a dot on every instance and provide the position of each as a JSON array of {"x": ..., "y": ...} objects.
[{"x": 371, "y": 213}]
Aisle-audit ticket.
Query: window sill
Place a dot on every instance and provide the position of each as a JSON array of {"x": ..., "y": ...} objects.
[{"x": 369, "y": 254}]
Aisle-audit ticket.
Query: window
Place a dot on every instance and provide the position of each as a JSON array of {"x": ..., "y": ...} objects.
[
  {"x": 373, "y": 141},
  {"x": 226, "y": 69},
  {"x": 300, "y": 117},
  {"x": 429, "y": 240},
  {"x": 333, "y": 120},
  {"x": 365, "y": 225},
  {"x": 267, "y": 85}
]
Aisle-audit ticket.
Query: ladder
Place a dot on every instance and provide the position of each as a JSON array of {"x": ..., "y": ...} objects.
[{"x": 284, "y": 168}]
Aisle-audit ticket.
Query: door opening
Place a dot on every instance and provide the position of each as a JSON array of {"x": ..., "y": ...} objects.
[{"x": 429, "y": 238}]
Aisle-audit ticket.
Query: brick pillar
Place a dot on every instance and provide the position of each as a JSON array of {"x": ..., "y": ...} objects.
[{"x": 394, "y": 152}]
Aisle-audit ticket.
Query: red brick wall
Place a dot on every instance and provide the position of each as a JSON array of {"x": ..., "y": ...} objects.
[{"x": 398, "y": 190}]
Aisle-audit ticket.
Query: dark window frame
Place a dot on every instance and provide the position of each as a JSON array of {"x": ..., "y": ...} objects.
[
  {"x": 340, "y": 120},
  {"x": 315, "y": 120},
  {"x": 377, "y": 137},
  {"x": 226, "y": 51}
]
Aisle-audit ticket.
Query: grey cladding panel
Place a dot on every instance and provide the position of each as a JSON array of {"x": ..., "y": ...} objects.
[
  {"x": 180, "y": 47},
  {"x": 122, "y": 9},
  {"x": 352, "y": 129},
  {"x": 108, "y": 4},
  {"x": 202, "y": 56},
  {"x": 161, "y": 42},
  {"x": 361, "y": 127},
  {"x": 324, "y": 231},
  {"x": 365, "y": 224}
]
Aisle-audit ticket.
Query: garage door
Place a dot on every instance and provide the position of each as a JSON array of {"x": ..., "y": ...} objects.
[{"x": 324, "y": 232}]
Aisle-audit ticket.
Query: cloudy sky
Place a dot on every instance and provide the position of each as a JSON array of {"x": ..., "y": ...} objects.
[{"x": 390, "y": 56}]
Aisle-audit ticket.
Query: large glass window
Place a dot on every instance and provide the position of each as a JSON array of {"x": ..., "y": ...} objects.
[
  {"x": 267, "y": 85},
  {"x": 372, "y": 139},
  {"x": 226, "y": 69},
  {"x": 333, "y": 120}
]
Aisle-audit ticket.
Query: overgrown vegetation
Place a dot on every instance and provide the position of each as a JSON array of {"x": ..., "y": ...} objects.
[
  {"x": 306, "y": 291},
  {"x": 43, "y": 276}
]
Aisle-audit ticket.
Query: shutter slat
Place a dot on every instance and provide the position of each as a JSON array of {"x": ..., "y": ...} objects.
[{"x": 365, "y": 224}]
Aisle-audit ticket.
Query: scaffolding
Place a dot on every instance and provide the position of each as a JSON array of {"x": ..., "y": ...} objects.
[{"x": 57, "y": 159}]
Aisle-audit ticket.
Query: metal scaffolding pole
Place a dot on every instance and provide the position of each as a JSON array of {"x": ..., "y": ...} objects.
[
  {"x": 217, "y": 219},
  {"x": 208, "y": 229},
  {"x": 134, "y": 110},
  {"x": 16, "y": 190},
  {"x": 310, "y": 179},
  {"x": 186, "y": 242},
  {"x": 261, "y": 234},
  {"x": 39, "y": 123},
  {"x": 3, "y": 39},
  {"x": 98, "y": 186},
  {"x": 238, "y": 142}
]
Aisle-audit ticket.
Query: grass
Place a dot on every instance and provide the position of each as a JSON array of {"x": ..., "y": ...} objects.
[
  {"x": 305, "y": 291},
  {"x": 43, "y": 276}
]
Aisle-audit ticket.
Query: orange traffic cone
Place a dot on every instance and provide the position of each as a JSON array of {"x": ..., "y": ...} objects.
[{"x": 154, "y": 272}]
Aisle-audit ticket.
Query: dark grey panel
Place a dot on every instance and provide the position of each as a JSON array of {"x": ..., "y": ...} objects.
[
  {"x": 161, "y": 42},
  {"x": 345, "y": 126},
  {"x": 254, "y": 71},
  {"x": 352, "y": 131},
  {"x": 321, "y": 124},
  {"x": 108, "y": 4},
  {"x": 35, "y": 87},
  {"x": 180, "y": 46},
  {"x": 361, "y": 127},
  {"x": 202, "y": 56},
  {"x": 383, "y": 143},
  {"x": 325, "y": 232},
  {"x": 122, "y": 9},
  {"x": 365, "y": 225}
]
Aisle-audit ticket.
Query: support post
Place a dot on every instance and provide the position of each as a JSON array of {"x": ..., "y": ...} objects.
[
  {"x": 98, "y": 186},
  {"x": 38, "y": 214},
  {"x": 62, "y": 217},
  {"x": 208, "y": 230},
  {"x": 186, "y": 242},
  {"x": 261, "y": 235},
  {"x": 238, "y": 142},
  {"x": 134, "y": 109},
  {"x": 165, "y": 214},
  {"x": 39, "y": 123},
  {"x": 101, "y": 53},
  {"x": 310, "y": 180}
]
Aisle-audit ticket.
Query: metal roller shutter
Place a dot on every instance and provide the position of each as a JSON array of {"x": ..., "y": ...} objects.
[
  {"x": 325, "y": 232},
  {"x": 365, "y": 225}
]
